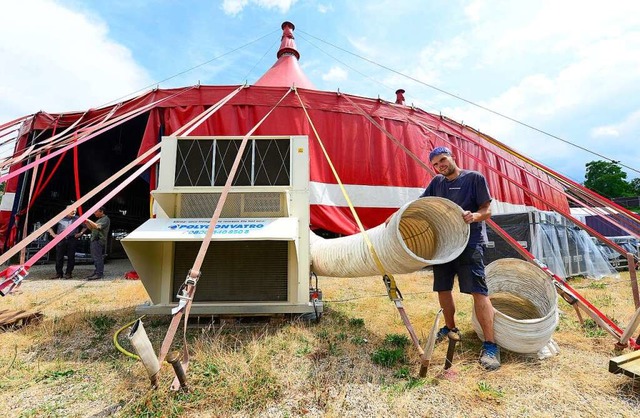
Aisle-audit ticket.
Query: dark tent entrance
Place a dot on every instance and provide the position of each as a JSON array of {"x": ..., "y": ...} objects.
[{"x": 55, "y": 184}]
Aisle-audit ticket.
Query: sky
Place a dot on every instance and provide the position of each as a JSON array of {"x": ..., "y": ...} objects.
[{"x": 553, "y": 69}]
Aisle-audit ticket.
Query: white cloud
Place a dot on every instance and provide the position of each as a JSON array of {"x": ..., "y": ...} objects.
[
  {"x": 61, "y": 60},
  {"x": 570, "y": 68},
  {"x": 437, "y": 58},
  {"x": 628, "y": 126},
  {"x": 604, "y": 131},
  {"x": 325, "y": 8},
  {"x": 551, "y": 26},
  {"x": 234, "y": 7},
  {"x": 473, "y": 10},
  {"x": 363, "y": 45},
  {"x": 567, "y": 68},
  {"x": 335, "y": 74}
]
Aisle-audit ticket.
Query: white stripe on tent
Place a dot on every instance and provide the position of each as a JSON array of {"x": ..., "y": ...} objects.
[
  {"x": 391, "y": 197},
  {"x": 362, "y": 196}
]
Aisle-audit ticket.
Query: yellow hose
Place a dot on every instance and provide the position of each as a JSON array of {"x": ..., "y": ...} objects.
[{"x": 117, "y": 344}]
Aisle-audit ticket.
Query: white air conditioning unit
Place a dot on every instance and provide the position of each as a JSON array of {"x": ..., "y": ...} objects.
[{"x": 258, "y": 260}]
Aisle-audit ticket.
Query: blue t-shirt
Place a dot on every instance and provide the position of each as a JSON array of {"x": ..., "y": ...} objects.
[
  {"x": 470, "y": 191},
  {"x": 65, "y": 223}
]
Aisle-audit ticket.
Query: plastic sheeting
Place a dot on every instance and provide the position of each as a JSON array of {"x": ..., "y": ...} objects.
[
  {"x": 569, "y": 251},
  {"x": 563, "y": 247}
]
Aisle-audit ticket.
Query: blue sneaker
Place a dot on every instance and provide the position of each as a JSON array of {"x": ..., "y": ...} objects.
[
  {"x": 444, "y": 332},
  {"x": 490, "y": 356}
]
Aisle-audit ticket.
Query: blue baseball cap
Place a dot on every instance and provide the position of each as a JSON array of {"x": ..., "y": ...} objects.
[{"x": 439, "y": 150}]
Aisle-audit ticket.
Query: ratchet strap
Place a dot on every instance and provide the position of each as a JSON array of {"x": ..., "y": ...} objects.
[{"x": 188, "y": 288}]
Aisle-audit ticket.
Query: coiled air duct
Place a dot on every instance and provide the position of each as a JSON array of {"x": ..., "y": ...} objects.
[
  {"x": 429, "y": 230},
  {"x": 526, "y": 306}
]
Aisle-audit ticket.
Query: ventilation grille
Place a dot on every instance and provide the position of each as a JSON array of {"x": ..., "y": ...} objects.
[
  {"x": 208, "y": 162},
  {"x": 235, "y": 271},
  {"x": 237, "y": 205}
]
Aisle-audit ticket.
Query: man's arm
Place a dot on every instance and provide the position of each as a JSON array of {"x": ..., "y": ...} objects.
[
  {"x": 91, "y": 225},
  {"x": 483, "y": 213}
]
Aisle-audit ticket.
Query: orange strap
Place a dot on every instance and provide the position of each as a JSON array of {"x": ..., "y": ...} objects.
[{"x": 188, "y": 289}]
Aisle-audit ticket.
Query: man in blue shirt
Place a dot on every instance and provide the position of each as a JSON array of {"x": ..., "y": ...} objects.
[
  {"x": 470, "y": 191},
  {"x": 66, "y": 246}
]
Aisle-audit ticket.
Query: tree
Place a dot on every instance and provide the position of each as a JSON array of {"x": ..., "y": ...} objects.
[
  {"x": 635, "y": 186},
  {"x": 607, "y": 179}
]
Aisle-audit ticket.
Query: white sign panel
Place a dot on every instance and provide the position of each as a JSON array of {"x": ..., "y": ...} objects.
[{"x": 236, "y": 229}]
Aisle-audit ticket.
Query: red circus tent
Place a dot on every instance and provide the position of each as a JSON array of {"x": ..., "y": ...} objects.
[{"x": 379, "y": 149}]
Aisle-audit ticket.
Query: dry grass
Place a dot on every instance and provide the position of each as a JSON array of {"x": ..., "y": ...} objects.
[{"x": 352, "y": 363}]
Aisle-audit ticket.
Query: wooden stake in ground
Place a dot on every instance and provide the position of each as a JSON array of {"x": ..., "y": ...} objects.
[
  {"x": 428, "y": 347},
  {"x": 454, "y": 337}
]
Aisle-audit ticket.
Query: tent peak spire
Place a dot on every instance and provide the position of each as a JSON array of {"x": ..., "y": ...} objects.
[
  {"x": 287, "y": 43},
  {"x": 286, "y": 72}
]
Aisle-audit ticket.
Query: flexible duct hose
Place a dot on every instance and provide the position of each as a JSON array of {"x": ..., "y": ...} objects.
[
  {"x": 526, "y": 306},
  {"x": 429, "y": 230}
]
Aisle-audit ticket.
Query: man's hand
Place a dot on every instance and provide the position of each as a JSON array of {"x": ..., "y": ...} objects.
[{"x": 468, "y": 216}]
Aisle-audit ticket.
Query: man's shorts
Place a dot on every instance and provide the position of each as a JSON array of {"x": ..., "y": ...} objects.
[{"x": 469, "y": 266}]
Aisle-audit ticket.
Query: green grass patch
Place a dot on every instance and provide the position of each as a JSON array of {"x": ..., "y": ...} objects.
[
  {"x": 47, "y": 409},
  {"x": 210, "y": 369},
  {"x": 304, "y": 350},
  {"x": 487, "y": 390},
  {"x": 397, "y": 340},
  {"x": 402, "y": 373},
  {"x": 101, "y": 324},
  {"x": 388, "y": 357},
  {"x": 356, "y": 322},
  {"x": 358, "y": 340},
  {"x": 54, "y": 375},
  {"x": 334, "y": 348},
  {"x": 155, "y": 405},
  {"x": 592, "y": 330},
  {"x": 256, "y": 391},
  {"x": 323, "y": 334},
  {"x": 597, "y": 285},
  {"x": 604, "y": 300}
]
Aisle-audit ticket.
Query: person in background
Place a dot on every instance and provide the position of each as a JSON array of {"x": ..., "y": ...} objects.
[
  {"x": 66, "y": 246},
  {"x": 469, "y": 190},
  {"x": 99, "y": 232}
]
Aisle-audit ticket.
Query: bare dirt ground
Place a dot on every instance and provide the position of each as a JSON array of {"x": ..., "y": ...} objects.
[{"x": 355, "y": 362}]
